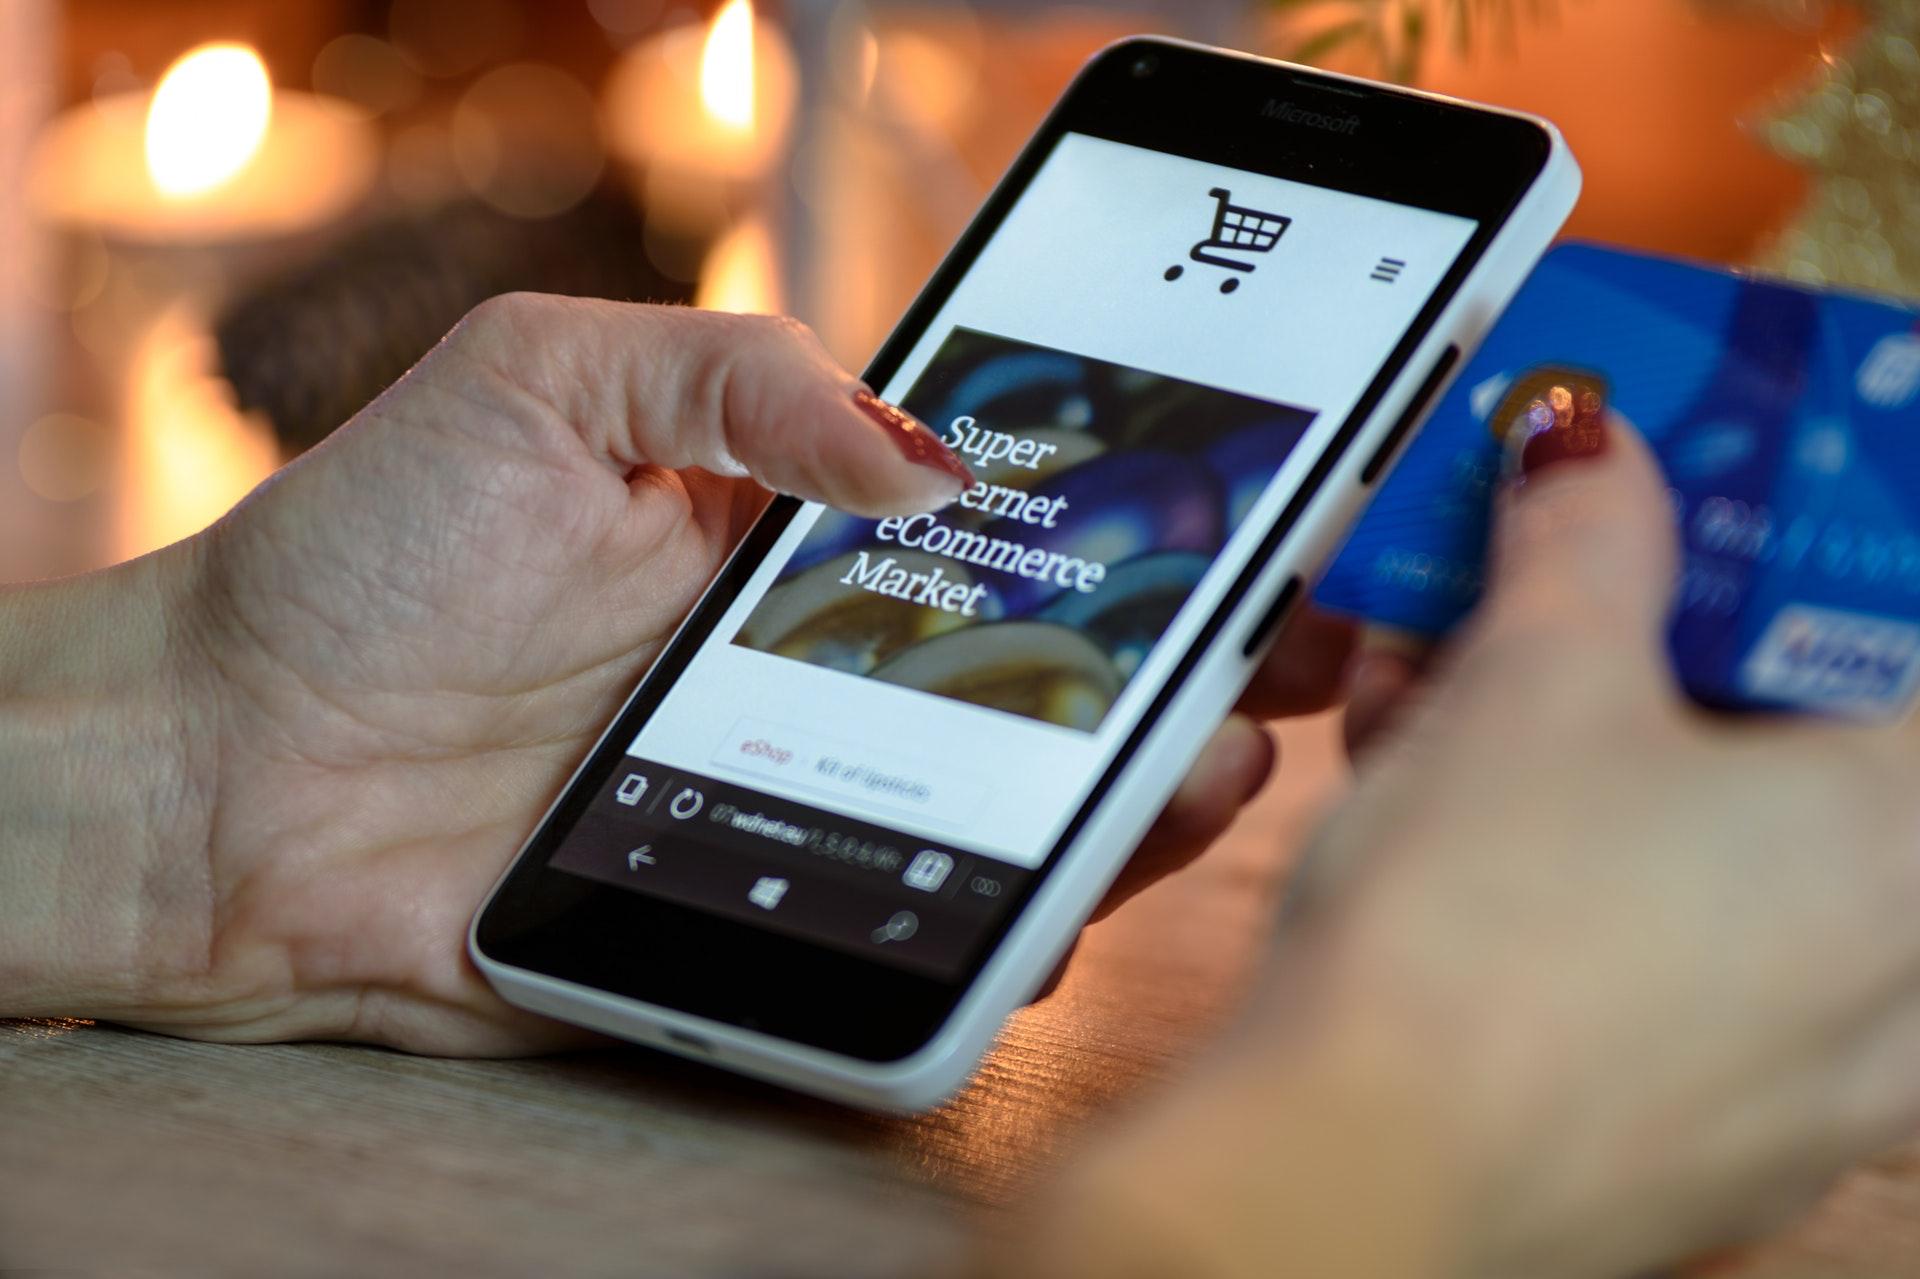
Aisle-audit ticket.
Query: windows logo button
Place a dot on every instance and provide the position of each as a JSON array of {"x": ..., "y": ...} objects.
[
  {"x": 927, "y": 871},
  {"x": 767, "y": 892}
]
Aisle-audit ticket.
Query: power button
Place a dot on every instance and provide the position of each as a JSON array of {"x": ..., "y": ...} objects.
[{"x": 1416, "y": 409}]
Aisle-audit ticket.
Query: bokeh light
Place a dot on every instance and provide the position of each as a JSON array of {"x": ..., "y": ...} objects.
[
  {"x": 447, "y": 38},
  {"x": 625, "y": 20},
  {"x": 525, "y": 140},
  {"x": 368, "y": 71},
  {"x": 64, "y": 457}
]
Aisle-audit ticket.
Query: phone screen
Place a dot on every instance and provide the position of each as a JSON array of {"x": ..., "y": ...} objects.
[{"x": 889, "y": 729}]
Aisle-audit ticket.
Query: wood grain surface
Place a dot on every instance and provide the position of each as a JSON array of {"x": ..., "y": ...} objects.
[{"x": 121, "y": 1151}]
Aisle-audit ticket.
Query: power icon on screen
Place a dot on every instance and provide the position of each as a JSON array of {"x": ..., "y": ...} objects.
[{"x": 686, "y": 803}]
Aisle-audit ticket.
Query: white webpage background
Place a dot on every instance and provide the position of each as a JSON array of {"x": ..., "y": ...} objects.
[{"x": 1078, "y": 266}]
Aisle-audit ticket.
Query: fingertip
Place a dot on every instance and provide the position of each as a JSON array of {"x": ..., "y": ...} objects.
[
  {"x": 1305, "y": 672},
  {"x": 1236, "y": 763},
  {"x": 761, "y": 397},
  {"x": 915, "y": 440},
  {"x": 1264, "y": 760},
  {"x": 1586, "y": 539},
  {"x": 867, "y": 457},
  {"x": 1553, "y": 418},
  {"x": 1230, "y": 770},
  {"x": 891, "y": 463}
]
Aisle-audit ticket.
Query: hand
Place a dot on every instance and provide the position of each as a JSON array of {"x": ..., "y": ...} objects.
[
  {"x": 356, "y": 694},
  {"x": 1580, "y": 981}
]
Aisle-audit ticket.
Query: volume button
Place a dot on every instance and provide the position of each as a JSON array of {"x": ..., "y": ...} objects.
[
  {"x": 1416, "y": 408},
  {"x": 1270, "y": 620}
]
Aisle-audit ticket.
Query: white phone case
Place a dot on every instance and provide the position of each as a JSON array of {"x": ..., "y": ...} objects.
[{"x": 1087, "y": 867}]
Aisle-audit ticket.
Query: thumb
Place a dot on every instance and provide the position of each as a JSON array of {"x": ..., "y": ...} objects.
[
  {"x": 738, "y": 395},
  {"x": 1583, "y": 535}
]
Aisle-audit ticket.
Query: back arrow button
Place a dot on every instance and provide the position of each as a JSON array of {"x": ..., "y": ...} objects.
[{"x": 641, "y": 856}]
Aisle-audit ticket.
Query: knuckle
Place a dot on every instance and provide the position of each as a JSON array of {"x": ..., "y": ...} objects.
[
  {"x": 503, "y": 309},
  {"x": 1544, "y": 616},
  {"x": 504, "y": 317},
  {"x": 1560, "y": 671},
  {"x": 791, "y": 329},
  {"x": 765, "y": 334},
  {"x": 728, "y": 343},
  {"x": 724, "y": 387},
  {"x": 778, "y": 333},
  {"x": 762, "y": 362}
]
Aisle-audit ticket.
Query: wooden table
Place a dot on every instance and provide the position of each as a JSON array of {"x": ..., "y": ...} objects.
[{"x": 120, "y": 1150}]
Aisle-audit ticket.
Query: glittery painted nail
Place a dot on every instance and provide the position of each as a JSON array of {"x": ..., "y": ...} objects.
[
  {"x": 911, "y": 436},
  {"x": 1551, "y": 416}
]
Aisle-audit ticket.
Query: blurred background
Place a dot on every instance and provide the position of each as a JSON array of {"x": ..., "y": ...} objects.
[{"x": 226, "y": 224}]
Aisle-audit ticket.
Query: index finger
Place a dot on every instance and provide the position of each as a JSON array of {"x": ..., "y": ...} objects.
[{"x": 738, "y": 395}]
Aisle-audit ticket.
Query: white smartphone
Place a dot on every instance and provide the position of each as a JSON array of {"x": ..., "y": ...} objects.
[{"x": 866, "y": 798}]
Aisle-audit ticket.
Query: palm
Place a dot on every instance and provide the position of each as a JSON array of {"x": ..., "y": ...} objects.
[{"x": 413, "y": 668}]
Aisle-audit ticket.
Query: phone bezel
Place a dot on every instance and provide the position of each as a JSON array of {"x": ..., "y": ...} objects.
[{"x": 1202, "y": 104}]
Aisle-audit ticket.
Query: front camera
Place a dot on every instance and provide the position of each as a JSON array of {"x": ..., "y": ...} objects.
[{"x": 1145, "y": 65}]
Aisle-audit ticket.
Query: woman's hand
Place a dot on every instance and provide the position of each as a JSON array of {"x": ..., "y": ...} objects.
[
  {"x": 1580, "y": 980},
  {"x": 254, "y": 786}
]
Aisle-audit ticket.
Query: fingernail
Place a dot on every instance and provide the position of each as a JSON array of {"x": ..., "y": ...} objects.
[
  {"x": 1551, "y": 418},
  {"x": 916, "y": 442}
]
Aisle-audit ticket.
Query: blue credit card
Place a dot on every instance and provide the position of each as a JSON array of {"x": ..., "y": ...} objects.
[{"x": 1787, "y": 421}]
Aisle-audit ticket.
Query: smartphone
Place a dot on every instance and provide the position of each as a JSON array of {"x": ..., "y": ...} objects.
[{"x": 865, "y": 799}]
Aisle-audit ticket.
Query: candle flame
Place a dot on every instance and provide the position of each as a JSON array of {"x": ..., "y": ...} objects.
[
  {"x": 208, "y": 118},
  {"x": 741, "y": 273},
  {"x": 726, "y": 66}
]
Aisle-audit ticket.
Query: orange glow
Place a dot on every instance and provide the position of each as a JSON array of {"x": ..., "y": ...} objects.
[
  {"x": 701, "y": 111},
  {"x": 726, "y": 66},
  {"x": 927, "y": 79},
  {"x": 194, "y": 452},
  {"x": 1659, "y": 101},
  {"x": 208, "y": 118},
  {"x": 90, "y": 169},
  {"x": 740, "y": 273}
]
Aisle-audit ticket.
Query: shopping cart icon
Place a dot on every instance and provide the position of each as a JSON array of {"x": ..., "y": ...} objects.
[{"x": 1238, "y": 229}]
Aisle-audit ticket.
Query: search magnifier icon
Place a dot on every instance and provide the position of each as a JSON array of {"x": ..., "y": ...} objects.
[{"x": 903, "y": 925}]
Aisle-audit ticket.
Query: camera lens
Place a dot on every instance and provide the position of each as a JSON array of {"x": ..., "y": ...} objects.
[{"x": 1145, "y": 65}]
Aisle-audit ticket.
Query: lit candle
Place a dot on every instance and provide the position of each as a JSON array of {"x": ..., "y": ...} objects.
[
  {"x": 190, "y": 183},
  {"x": 703, "y": 114},
  {"x": 214, "y": 154}
]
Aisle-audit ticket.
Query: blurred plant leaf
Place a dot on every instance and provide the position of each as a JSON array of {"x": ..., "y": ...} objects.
[
  {"x": 1321, "y": 43},
  {"x": 1396, "y": 32},
  {"x": 1413, "y": 38}
]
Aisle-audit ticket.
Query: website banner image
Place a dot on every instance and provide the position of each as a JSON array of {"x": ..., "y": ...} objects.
[{"x": 1104, "y": 493}]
